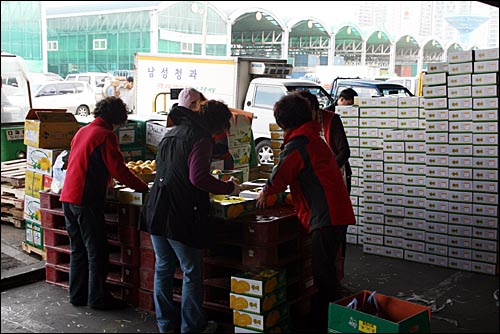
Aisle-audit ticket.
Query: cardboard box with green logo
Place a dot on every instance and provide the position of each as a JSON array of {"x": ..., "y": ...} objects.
[{"x": 389, "y": 315}]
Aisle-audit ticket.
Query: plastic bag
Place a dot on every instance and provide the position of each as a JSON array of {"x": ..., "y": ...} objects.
[
  {"x": 371, "y": 305},
  {"x": 59, "y": 172}
]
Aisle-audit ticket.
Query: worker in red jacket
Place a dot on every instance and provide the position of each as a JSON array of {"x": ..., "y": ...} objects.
[
  {"x": 95, "y": 158},
  {"x": 307, "y": 164}
]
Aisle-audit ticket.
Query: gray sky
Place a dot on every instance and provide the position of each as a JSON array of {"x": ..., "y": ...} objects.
[{"x": 323, "y": 10}]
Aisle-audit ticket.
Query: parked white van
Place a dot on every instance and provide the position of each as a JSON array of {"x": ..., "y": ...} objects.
[{"x": 94, "y": 79}]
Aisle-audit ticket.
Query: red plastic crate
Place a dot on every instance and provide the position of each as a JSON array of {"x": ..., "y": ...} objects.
[
  {"x": 128, "y": 214},
  {"x": 146, "y": 301},
  {"x": 49, "y": 200},
  {"x": 123, "y": 274},
  {"x": 56, "y": 276},
  {"x": 147, "y": 279},
  {"x": 145, "y": 240},
  {"x": 124, "y": 254},
  {"x": 273, "y": 255},
  {"x": 147, "y": 259},
  {"x": 126, "y": 235},
  {"x": 266, "y": 229},
  {"x": 53, "y": 218},
  {"x": 57, "y": 257},
  {"x": 55, "y": 238},
  {"x": 129, "y": 294}
]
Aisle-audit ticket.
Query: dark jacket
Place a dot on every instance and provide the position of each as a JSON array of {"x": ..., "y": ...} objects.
[
  {"x": 175, "y": 207},
  {"x": 94, "y": 158},
  {"x": 337, "y": 139},
  {"x": 307, "y": 164}
]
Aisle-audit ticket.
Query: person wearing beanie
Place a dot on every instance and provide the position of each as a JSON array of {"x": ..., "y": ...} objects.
[{"x": 190, "y": 98}]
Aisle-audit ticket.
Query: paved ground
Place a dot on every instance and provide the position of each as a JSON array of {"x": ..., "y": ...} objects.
[
  {"x": 462, "y": 301},
  {"x": 12, "y": 253}
]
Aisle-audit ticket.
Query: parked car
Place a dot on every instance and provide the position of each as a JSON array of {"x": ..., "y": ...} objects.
[
  {"x": 75, "y": 96},
  {"x": 261, "y": 96},
  {"x": 96, "y": 81},
  {"x": 368, "y": 88},
  {"x": 45, "y": 76}
]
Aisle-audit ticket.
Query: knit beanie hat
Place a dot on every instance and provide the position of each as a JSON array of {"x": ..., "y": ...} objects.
[{"x": 187, "y": 96}]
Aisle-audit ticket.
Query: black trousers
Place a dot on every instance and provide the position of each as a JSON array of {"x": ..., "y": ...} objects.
[
  {"x": 89, "y": 260},
  {"x": 326, "y": 242}
]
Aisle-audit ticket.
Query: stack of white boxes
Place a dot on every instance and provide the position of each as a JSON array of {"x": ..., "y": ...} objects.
[
  {"x": 425, "y": 169},
  {"x": 485, "y": 91},
  {"x": 350, "y": 120}
]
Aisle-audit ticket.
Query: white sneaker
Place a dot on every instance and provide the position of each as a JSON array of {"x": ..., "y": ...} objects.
[{"x": 211, "y": 327}]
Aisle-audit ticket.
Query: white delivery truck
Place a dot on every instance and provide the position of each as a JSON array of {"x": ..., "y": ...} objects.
[
  {"x": 246, "y": 83},
  {"x": 16, "y": 102}
]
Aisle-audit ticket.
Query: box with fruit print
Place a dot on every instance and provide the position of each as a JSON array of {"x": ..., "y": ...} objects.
[
  {"x": 281, "y": 327},
  {"x": 241, "y": 155},
  {"x": 257, "y": 283},
  {"x": 240, "y": 132},
  {"x": 262, "y": 322},
  {"x": 230, "y": 207},
  {"x": 41, "y": 160},
  {"x": 257, "y": 305},
  {"x": 33, "y": 183},
  {"x": 32, "y": 208}
]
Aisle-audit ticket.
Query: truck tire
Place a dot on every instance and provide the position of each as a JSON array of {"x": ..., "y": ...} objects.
[{"x": 264, "y": 152}]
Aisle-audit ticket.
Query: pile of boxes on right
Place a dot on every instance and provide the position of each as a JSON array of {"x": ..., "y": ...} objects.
[{"x": 425, "y": 169}]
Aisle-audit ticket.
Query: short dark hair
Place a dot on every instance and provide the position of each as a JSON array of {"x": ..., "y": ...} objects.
[
  {"x": 348, "y": 94},
  {"x": 215, "y": 116},
  {"x": 313, "y": 100},
  {"x": 292, "y": 110},
  {"x": 112, "y": 109}
]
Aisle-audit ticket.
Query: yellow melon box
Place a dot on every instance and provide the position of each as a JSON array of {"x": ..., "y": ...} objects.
[
  {"x": 257, "y": 305},
  {"x": 130, "y": 196},
  {"x": 230, "y": 207},
  {"x": 261, "y": 322},
  {"x": 257, "y": 283}
]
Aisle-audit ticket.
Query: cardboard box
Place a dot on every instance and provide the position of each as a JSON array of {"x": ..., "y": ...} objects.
[
  {"x": 132, "y": 133},
  {"x": 155, "y": 130},
  {"x": 257, "y": 283},
  {"x": 34, "y": 234},
  {"x": 282, "y": 327},
  {"x": 240, "y": 132},
  {"x": 32, "y": 208},
  {"x": 33, "y": 184},
  {"x": 41, "y": 160},
  {"x": 395, "y": 316},
  {"x": 130, "y": 196},
  {"x": 232, "y": 208},
  {"x": 257, "y": 305},
  {"x": 49, "y": 128},
  {"x": 261, "y": 322}
]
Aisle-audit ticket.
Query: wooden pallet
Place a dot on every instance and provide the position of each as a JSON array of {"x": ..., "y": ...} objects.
[
  {"x": 12, "y": 196},
  {"x": 31, "y": 249},
  {"x": 14, "y": 172},
  {"x": 14, "y": 221}
]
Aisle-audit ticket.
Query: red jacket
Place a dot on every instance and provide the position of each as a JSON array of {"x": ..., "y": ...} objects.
[
  {"x": 94, "y": 158},
  {"x": 308, "y": 165}
]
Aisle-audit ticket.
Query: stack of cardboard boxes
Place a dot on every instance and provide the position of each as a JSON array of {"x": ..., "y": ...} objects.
[{"x": 46, "y": 133}]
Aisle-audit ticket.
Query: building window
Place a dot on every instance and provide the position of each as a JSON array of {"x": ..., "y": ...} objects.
[
  {"x": 100, "y": 44},
  {"x": 52, "y": 45},
  {"x": 187, "y": 47}
]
